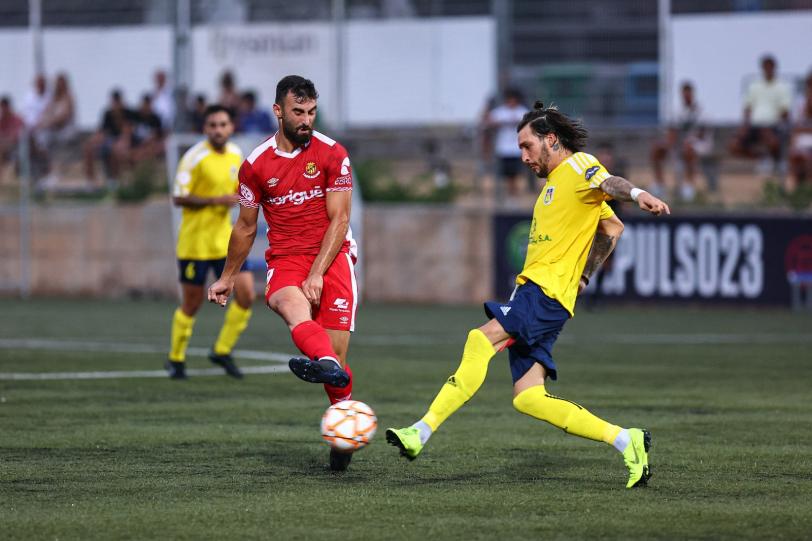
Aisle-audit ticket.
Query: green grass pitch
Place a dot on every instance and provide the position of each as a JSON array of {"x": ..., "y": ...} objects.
[{"x": 726, "y": 394}]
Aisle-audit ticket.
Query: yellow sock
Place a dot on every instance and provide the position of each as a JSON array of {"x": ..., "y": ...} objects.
[
  {"x": 465, "y": 382},
  {"x": 566, "y": 415},
  {"x": 181, "y": 332},
  {"x": 235, "y": 322}
]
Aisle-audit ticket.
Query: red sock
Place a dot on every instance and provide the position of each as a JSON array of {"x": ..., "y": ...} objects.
[
  {"x": 312, "y": 340},
  {"x": 337, "y": 394}
]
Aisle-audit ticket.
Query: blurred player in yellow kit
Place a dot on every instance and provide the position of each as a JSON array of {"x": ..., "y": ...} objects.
[
  {"x": 206, "y": 189},
  {"x": 566, "y": 245}
]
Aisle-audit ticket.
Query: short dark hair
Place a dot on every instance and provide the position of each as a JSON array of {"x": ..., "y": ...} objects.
[
  {"x": 249, "y": 95},
  {"x": 768, "y": 58},
  {"x": 5, "y": 101},
  {"x": 214, "y": 109},
  {"x": 300, "y": 87},
  {"x": 543, "y": 120}
]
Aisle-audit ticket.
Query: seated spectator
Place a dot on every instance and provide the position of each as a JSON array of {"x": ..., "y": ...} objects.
[
  {"x": 800, "y": 148},
  {"x": 35, "y": 102},
  {"x": 690, "y": 138},
  {"x": 11, "y": 129},
  {"x": 113, "y": 138},
  {"x": 251, "y": 119},
  {"x": 229, "y": 98},
  {"x": 199, "y": 113},
  {"x": 55, "y": 128},
  {"x": 148, "y": 133},
  {"x": 766, "y": 113}
]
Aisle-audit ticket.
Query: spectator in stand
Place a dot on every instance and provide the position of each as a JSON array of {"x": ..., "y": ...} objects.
[
  {"x": 252, "y": 119},
  {"x": 503, "y": 121},
  {"x": 800, "y": 148},
  {"x": 690, "y": 138},
  {"x": 229, "y": 98},
  {"x": 162, "y": 102},
  {"x": 112, "y": 140},
  {"x": 35, "y": 102},
  {"x": 199, "y": 113},
  {"x": 11, "y": 129},
  {"x": 55, "y": 129},
  {"x": 766, "y": 114},
  {"x": 148, "y": 133}
]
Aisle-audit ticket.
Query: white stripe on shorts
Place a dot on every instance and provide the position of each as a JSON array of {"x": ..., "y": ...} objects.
[{"x": 354, "y": 291}]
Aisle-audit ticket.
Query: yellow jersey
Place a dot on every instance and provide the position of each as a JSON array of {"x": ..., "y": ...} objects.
[
  {"x": 565, "y": 218},
  {"x": 204, "y": 172}
]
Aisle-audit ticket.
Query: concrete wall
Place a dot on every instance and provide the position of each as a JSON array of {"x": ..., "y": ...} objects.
[{"x": 409, "y": 252}]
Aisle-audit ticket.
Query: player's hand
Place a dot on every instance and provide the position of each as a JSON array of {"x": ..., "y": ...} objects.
[
  {"x": 651, "y": 204},
  {"x": 221, "y": 290},
  {"x": 312, "y": 287}
]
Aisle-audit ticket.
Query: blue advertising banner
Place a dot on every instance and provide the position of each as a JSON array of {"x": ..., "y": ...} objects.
[{"x": 748, "y": 260}]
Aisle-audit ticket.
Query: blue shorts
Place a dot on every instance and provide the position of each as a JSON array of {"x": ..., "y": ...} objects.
[
  {"x": 195, "y": 271},
  {"x": 534, "y": 320}
]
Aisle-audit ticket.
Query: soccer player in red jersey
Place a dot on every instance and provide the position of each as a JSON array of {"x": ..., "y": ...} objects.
[{"x": 302, "y": 179}]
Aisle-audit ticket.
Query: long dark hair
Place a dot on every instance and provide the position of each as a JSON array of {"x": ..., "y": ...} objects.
[{"x": 543, "y": 120}]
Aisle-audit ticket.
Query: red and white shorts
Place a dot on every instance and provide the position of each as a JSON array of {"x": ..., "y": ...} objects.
[{"x": 339, "y": 298}]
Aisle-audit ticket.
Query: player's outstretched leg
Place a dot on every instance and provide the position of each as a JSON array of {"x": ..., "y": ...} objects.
[
  {"x": 574, "y": 419},
  {"x": 182, "y": 326},
  {"x": 234, "y": 323},
  {"x": 458, "y": 389}
]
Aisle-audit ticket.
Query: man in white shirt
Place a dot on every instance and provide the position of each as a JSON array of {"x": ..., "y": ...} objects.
[
  {"x": 162, "y": 102},
  {"x": 766, "y": 113},
  {"x": 35, "y": 102},
  {"x": 503, "y": 120}
]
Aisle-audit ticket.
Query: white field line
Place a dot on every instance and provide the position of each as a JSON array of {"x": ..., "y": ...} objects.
[
  {"x": 123, "y": 374},
  {"x": 643, "y": 339}
]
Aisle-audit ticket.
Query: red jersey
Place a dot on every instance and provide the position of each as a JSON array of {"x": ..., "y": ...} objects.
[{"x": 292, "y": 189}]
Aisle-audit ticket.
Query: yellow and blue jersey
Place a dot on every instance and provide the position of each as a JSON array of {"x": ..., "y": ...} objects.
[
  {"x": 204, "y": 172},
  {"x": 565, "y": 218}
]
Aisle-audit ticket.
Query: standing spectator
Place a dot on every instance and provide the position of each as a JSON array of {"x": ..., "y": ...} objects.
[
  {"x": 113, "y": 138},
  {"x": 800, "y": 148},
  {"x": 252, "y": 119},
  {"x": 35, "y": 101},
  {"x": 11, "y": 129},
  {"x": 229, "y": 98},
  {"x": 766, "y": 113},
  {"x": 503, "y": 120},
  {"x": 690, "y": 138},
  {"x": 162, "y": 102}
]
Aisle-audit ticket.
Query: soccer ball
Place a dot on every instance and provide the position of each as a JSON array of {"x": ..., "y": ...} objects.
[{"x": 348, "y": 426}]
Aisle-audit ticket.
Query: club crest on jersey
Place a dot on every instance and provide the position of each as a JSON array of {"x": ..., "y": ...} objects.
[
  {"x": 591, "y": 171},
  {"x": 311, "y": 171},
  {"x": 548, "y": 195}
]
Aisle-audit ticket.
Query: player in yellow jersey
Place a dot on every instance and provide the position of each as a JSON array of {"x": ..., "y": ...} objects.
[
  {"x": 205, "y": 188},
  {"x": 565, "y": 246}
]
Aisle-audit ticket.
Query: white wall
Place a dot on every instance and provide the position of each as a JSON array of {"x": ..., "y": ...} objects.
[
  {"x": 721, "y": 52},
  {"x": 435, "y": 71}
]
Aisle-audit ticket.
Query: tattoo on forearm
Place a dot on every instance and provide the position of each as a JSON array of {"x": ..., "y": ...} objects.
[
  {"x": 618, "y": 187},
  {"x": 602, "y": 246}
]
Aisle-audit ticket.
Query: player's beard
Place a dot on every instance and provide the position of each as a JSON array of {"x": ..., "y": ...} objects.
[
  {"x": 544, "y": 160},
  {"x": 295, "y": 136}
]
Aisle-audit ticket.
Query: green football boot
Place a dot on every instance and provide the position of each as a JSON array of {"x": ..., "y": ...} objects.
[
  {"x": 406, "y": 439},
  {"x": 636, "y": 457}
]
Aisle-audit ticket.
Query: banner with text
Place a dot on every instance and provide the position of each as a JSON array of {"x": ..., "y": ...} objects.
[{"x": 744, "y": 260}]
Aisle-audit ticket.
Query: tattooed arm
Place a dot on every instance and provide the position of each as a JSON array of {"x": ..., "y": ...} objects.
[
  {"x": 623, "y": 190},
  {"x": 606, "y": 237}
]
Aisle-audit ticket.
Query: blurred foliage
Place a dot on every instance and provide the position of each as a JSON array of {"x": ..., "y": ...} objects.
[
  {"x": 774, "y": 195},
  {"x": 147, "y": 178},
  {"x": 378, "y": 183}
]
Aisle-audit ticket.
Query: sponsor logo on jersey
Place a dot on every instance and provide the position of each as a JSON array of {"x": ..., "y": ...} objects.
[
  {"x": 591, "y": 171},
  {"x": 297, "y": 198},
  {"x": 311, "y": 171},
  {"x": 548, "y": 195},
  {"x": 246, "y": 193},
  {"x": 345, "y": 166},
  {"x": 343, "y": 181},
  {"x": 273, "y": 181}
]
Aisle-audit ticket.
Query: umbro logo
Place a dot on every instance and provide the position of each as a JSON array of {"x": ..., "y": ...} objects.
[
  {"x": 272, "y": 182},
  {"x": 505, "y": 310}
]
